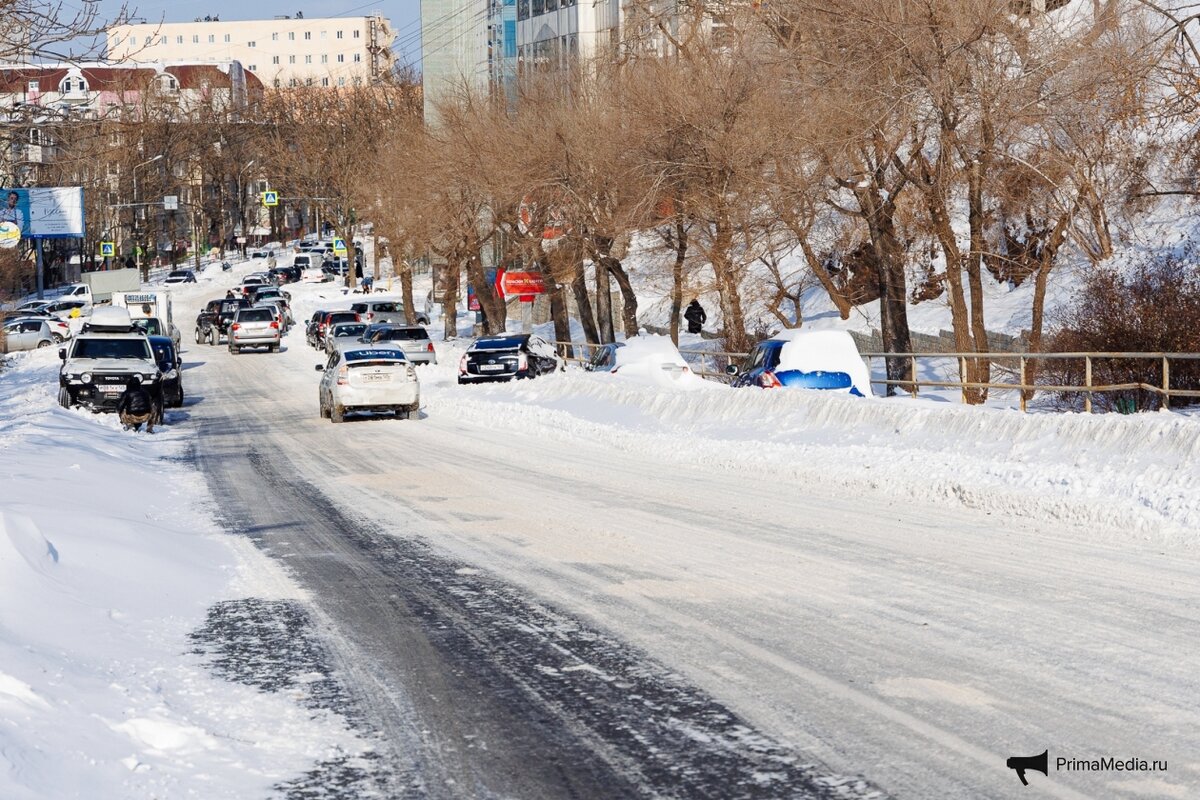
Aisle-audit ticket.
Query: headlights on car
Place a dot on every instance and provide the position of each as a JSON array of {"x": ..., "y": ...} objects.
[{"x": 86, "y": 377}]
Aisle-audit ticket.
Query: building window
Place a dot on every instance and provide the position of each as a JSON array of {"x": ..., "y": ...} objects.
[
  {"x": 133, "y": 40},
  {"x": 341, "y": 58},
  {"x": 356, "y": 33},
  {"x": 308, "y": 81},
  {"x": 178, "y": 40},
  {"x": 292, "y": 82},
  {"x": 162, "y": 40},
  {"x": 324, "y": 34},
  {"x": 324, "y": 81},
  {"x": 539, "y": 7},
  {"x": 277, "y": 83},
  {"x": 72, "y": 85},
  {"x": 291, "y": 36},
  {"x": 33, "y": 86},
  {"x": 168, "y": 83},
  {"x": 341, "y": 81},
  {"x": 253, "y": 68},
  {"x": 251, "y": 44},
  {"x": 324, "y": 59},
  {"x": 308, "y": 59},
  {"x": 551, "y": 5},
  {"x": 227, "y": 38},
  {"x": 308, "y": 35},
  {"x": 291, "y": 59},
  {"x": 357, "y": 57},
  {"x": 339, "y": 34},
  {"x": 211, "y": 38},
  {"x": 274, "y": 37},
  {"x": 195, "y": 38},
  {"x": 274, "y": 59}
]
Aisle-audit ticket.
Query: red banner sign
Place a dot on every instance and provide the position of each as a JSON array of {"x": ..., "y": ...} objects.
[{"x": 519, "y": 283}]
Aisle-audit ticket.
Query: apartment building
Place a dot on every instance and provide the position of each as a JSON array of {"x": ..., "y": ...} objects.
[{"x": 282, "y": 52}]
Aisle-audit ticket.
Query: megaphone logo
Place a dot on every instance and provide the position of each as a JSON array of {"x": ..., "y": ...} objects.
[{"x": 1022, "y": 763}]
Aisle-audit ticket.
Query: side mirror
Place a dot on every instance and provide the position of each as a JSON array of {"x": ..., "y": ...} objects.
[
  {"x": 62, "y": 353},
  {"x": 731, "y": 369},
  {"x": 320, "y": 368},
  {"x": 178, "y": 363}
]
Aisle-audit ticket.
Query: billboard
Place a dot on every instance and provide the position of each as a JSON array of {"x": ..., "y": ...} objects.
[{"x": 48, "y": 213}]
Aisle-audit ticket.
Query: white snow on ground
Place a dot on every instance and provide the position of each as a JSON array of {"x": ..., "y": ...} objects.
[{"x": 109, "y": 557}]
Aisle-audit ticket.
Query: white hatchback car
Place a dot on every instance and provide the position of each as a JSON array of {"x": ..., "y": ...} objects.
[{"x": 368, "y": 378}]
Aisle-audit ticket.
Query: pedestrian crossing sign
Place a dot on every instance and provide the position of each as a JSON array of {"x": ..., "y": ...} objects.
[
  {"x": 270, "y": 198},
  {"x": 108, "y": 249},
  {"x": 339, "y": 246}
]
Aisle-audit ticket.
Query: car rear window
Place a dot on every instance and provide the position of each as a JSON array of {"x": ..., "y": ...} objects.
[
  {"x": 360, "y": 356},
  {"x": 111, "y": 348},
  {"x": 401, "y": 335},
  {"x": 349, "y": 330},
  {"x": 385, "y": 308},
  {"x": 499, "y": 343},
  {"x": 255, "y": 315},
  {"x": 359, "y": 307},
  {"x": 343, "y": 316}
]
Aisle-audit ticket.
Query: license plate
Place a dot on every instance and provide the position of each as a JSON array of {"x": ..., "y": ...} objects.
[
  {"x": 491, "y": 367},
  {"x": 105, "y": 389},
  {"x": 376, "y": 377}
]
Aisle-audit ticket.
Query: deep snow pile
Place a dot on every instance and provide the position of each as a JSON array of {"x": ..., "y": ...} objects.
[
  {"x": 1125, "y": 475},
  {"x": 108, "y": 560}
]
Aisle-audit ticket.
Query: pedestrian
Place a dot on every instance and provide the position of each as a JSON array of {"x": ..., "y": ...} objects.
[
  {"x": 229, "y": 295},
  {"x": 136, "y": 407},
  {"x": 695, "y": 316},
  {"x": 130, "y": 263}
]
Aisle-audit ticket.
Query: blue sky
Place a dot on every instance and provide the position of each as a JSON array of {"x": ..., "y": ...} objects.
[{"x": 404, "y": 14}]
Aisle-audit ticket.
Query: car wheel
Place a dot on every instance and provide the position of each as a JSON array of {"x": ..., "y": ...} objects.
[
  {"x": 214, "y": 338},
  {"x": 58, "y": 339},
  {"x": 337, "y": 414},
  {"x": 44, "y": 343},
  {"x": 64, "y": 397},
  {"x": 199, "y": 336}
]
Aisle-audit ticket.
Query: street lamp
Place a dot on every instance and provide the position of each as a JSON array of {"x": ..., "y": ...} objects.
[{"x": 136, "y": 255}]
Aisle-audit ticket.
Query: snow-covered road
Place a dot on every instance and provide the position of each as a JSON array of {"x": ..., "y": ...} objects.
[{"x": 917, "y": 645}]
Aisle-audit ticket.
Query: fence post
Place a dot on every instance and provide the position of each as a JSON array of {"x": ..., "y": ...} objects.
[
  {"x": 962, "y": 377},
  {"x": 912, "y": 360},
  {"x": 1166, "y": 401},
  {"x": 1087, "y": 373},
  {"x": 1023, "y": 384}
]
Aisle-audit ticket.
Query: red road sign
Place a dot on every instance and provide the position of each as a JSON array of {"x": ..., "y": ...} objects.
[{"x": 519, "y": 283}]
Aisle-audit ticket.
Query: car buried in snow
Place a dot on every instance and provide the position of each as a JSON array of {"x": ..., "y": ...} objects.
[{"x": 825, "y": 360}]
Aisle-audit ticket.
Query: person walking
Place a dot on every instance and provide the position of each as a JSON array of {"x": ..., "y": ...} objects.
[
  {"x": 695, "y": 316},
  {"x": 136, "y": 407}
]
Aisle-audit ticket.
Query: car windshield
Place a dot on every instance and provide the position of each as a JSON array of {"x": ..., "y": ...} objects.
[
  {"x": 179, "y": 273},
  {"x": 348, "y": 330},
  {"x": 111, "y": 348},
  {"x": 150, "y": 325},
  {"x": 400, "y": 335}
]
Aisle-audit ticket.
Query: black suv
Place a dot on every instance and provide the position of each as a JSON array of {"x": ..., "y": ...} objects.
[{"x": 213, "y": 322}]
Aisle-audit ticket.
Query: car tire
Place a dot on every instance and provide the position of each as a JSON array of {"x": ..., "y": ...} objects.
[
  {"x": 214, "y": 337},
  {"x": 44, "y": 343},
  {"x": 64, "y": 397},
  {"x": 58, "y": 339},
  {"x": 199, "y": 337},
  {"x": 337, "y": 414}
]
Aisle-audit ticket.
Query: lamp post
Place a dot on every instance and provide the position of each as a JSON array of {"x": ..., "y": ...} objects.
[{"x": 136, "y": 255}]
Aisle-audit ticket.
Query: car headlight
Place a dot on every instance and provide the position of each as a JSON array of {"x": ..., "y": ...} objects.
[
  {"x": 86, "y": 377},
  {"x": 151, "y": 376},
  {"x": 172, "y": 375}
]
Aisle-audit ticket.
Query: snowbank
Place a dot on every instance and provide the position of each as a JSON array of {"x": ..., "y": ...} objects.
[
  {"x": 108, "y": 560},
  {"x": 1125, "y": 475}
]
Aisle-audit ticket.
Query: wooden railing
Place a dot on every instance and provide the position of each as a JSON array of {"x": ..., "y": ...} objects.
[{"x": 703, "y": 361}]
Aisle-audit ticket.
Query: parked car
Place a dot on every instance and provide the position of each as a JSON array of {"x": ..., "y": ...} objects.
[
  {"x": 327, "y": 319},
  {"x": 170, "y": 364},
  {"x": 376, "y": 311},
  {"x": 281, "y": 303},
  {"x": 59, "y": 329},
  {"x": 805, "y": 360},
  {"x": 100, "y": 362},
  {"x": 214, "y": 321},
  {"x": 502, "y": 358},
  {"x": 254, "y": 327},
  {"x": 412, "y": 339},
  {"x": 302, "y": 261},
  {"x": 68, "y": 308},
  {"x": 310, "y": 327},
  {"x": 181, "y": 276},
  {"x": 343, "y": 330},
  {"x": 248, "y": 284},
  {"x": 26, "y": 334},
  {"x": 649, "y": 359},
  {"x": 367, "y": 378}
]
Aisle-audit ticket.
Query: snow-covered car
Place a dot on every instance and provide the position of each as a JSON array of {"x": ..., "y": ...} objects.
[
  {"x": 508, "y": 356},
  {"x": 368, "y": 378},
  {"x": 805, "y": 360},
  {"x": 181, "y": 276},
  {"x": 412, "y": 339},
  {"x": 26, "y": 334},
  {"x": 99, "y": 363},
  {"x": 647, "y": 358}
]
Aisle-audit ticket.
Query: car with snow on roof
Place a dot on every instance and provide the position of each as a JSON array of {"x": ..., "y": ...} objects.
[
  {"x": 507, "y": 356},
  {"x": 825, "y": 360}
]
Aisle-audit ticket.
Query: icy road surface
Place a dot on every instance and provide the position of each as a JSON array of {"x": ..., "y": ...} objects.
[{"x": 526, "y": 614}]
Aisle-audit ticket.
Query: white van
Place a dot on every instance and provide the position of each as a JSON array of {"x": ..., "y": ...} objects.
[{"x": 150, "y": 306}]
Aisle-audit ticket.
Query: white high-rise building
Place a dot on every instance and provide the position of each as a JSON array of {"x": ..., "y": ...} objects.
[
  {"x": 283, "y": 52},
  {"x": 454, "y": 49}
]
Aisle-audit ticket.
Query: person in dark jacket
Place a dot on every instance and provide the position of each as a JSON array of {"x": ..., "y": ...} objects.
[
  {"x": 695, "y": 316},
  {"x": 136, "y": 406}
]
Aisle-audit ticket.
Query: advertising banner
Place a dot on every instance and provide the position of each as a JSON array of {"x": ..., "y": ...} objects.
[{"x": 48, "y": 213}]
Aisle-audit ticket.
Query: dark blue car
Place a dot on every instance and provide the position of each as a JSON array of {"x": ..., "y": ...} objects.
[{"x": 761, "y": 368}]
